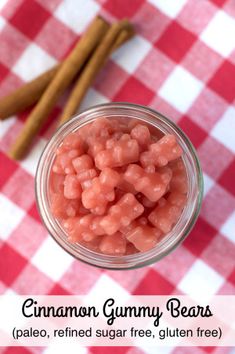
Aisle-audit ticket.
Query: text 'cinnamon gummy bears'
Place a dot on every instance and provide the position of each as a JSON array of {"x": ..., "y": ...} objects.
[{"x": 116, "y": 188}]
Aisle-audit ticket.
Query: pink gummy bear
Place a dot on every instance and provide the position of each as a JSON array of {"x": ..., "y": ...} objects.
[
  {"x": 143, "y": 237},
  {"x": 78, "y": 228},
  {"x": 63, "y": 162},
  {"x": 179, "y": 176},
  {"x": 152, "y": 185},
  {"x": 99, "y": 132},
  {"x": 85, "y": 228},
  {"x": 161, "y": 152},
  {"x": 71, "y": 142},
  {"x": 72, "y": 187},
  {"x": 142, "y": 134},
  {"x": 121, "y": 214},
  {"x": 113, "y": 244},
  {"x": 74, "y": 141},
  {"x": 57, "y": 183},
  {"x": 84, "y": 168},
  {"x": 167, "y": 213},
  {"x": 101, "y": 191},
  {"x": 96, "y": 144},
  {"x": 121, "y": 153},
  {"x": 102, "y": 127},
  {"x": 62, "y": 207},
  {"x": 82, "y": 163}
]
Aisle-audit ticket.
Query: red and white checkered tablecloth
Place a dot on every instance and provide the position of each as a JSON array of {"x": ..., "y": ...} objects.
[{"x": 182, "y": 63}]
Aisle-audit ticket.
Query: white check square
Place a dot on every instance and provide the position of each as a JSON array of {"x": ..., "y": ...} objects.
[
  {"x": 228, "y": 229},
  {"x": 92, "y": 98},
  {"x": 2, "y": 3},
  {"x": 201, "y": 281},
  {"x": 208, "y": 183},
  {"x": 77, "y": 14},
  {"x": 30, "y": 162},
  {"x": 105, "y": 287},
  {"x": 219, "y": 34},
  {"x": 73, "y": 347},
  {"x": 2, "y": 20},
  {"x": 224, "y": 130},
  {"x": 11, "y": 216},
  {"x": 138, "y": 47},
  {"x": 169, "y": 7},
  {"x": 51, "y": 259},
  {"x": 159, "y": 350},
  {"x": 33, "y": 62},
  {"x": 180, "y": 89},
  {"x": 6, "y": 125}
]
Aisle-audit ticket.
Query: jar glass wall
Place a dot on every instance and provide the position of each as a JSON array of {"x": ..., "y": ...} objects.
[{"x": 155, "y": 121}]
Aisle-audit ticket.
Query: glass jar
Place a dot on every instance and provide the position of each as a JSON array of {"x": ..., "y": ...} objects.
[{"x": 188, "y": 216}]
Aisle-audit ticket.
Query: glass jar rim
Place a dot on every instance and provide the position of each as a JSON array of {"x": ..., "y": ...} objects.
[{"x": 179, "y": 231}]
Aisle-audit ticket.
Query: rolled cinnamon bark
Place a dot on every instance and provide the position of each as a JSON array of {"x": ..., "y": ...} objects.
[
  {"x": 30, "y": 92},
  {"x": 26, "y": 95},
  {"x": 62, "y": 79},
  {"x": 117, "y": 34}
]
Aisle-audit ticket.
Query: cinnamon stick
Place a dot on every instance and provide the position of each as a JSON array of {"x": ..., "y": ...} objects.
[
  {"x": 62, "y": 79},
  {"x": 123, "y": 37},
  {"x": 26, "y": 95},
  {"x": 116, "y": 35}
]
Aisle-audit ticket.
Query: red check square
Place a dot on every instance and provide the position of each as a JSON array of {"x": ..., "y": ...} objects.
[
  {"x": 231, "y": 277},
  {"x": 154, "y": 284},
  {"x": 58, "y": 290},
  {"x": 219, "y": 3},
  {"x": 134, "y": 91},
  {"x": 34, "y": 213},
  {"x": 200, "y": 237},
  {"x": 106, "y": 350},
  {"x": 10, "y": 167},
  {"x": 3, "y": 72},
  {"x": 11, "y": 264},
  {"x": 18, "y": 350},
  {"x": 207, "y": 349},
  {"x": 196, "y": 134},
  {"x": 118, "y": 10},
  {"x": 175, "y": 41},
  {"x": 29, "y": 18},
  {"x": 222, "y": 81},
  {"x": 227, "y": 178}
]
